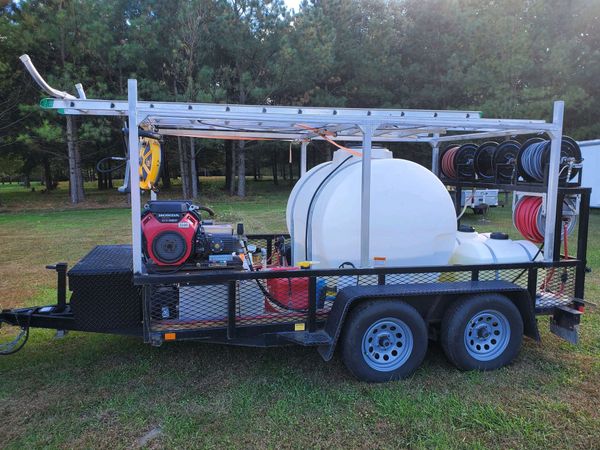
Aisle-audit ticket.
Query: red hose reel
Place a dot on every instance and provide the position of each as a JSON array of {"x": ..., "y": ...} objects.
[
  {"x": 529, "y": 219},
  {"x": 448, "y": 166},
  {"x": 526, "y": 216}
]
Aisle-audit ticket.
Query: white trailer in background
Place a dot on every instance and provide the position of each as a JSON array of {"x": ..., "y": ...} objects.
[
  {"x": 590, "y": 150},
  {"x": 477, "y": 197}
]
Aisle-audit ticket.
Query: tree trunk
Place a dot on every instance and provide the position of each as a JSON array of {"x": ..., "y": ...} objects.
[
  {"x": 283, "y": 169},
  {"x": 232, "y": 174},
  {"x": 166, "y": 173},
  {"x": 186, "y": 165},
  {"x": 48, "y": 182},
  {"x": 255, "y": 165},
  {"x": 228, "y": 163},
  {"x": 75, "y": 178},
  {"x": 241, "y": 189},
  {"x": 274, "y": 166},
  {"x": 109, "y": 176},
  {"x": 78, "y": 170},
  {"x": 193, "y": 169},
  {"x": 182, "y": 169}
]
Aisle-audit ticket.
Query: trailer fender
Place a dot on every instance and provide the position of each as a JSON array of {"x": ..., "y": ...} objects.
[{"x": 350, "y": 296}]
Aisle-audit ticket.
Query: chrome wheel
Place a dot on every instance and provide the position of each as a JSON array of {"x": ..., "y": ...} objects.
[
  {"x": 387, "y": 344},
  {"x": 487, "y": 335}
]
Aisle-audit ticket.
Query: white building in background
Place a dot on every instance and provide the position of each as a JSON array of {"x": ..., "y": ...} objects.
[{"x": 590, "y": 150}]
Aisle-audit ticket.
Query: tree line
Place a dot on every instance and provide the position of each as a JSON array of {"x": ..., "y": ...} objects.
[{"x": 507, "y": 58}]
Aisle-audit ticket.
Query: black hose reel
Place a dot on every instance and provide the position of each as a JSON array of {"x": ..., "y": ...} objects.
[
  {"x": 534, "y": 157},
  {"x": 505, "y": 161},
  {"x": 464, "y": 161},
  {"x": 484, "y": 161}
]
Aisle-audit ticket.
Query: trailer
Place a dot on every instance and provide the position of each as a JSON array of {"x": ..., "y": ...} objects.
[
  {"x": 591, "y": 154},
  {"x": 380, "y": 318}
]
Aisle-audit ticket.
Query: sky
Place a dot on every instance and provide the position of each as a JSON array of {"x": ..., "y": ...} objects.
[{"x": 293, "y": 4}]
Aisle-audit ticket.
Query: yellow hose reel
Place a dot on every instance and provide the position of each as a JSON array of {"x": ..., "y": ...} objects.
[{"x": 150, "y": 161}]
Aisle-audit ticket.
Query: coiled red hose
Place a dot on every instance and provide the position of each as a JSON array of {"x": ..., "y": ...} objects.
[
  {"x": 448, "y": 166},
  {"x": 526, "y": 221},
  {"x": 526, "y": 218}
]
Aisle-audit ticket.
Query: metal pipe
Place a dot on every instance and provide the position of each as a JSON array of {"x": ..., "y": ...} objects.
[
  {"x": 435, "y": 154},
  {"x": 365, "y": 200},
  {"x": 303, "y": 158},
  {"x": 134, "y": 177},
  {"x": 231, "y": 309},
  {"x": 553, "y": 171},
  {"x": 591, "y": 143},
  {"x": 26, "y": 60},
  {"x": 486, "y": 134},
  {"x": 80, "y": 91},
  {"x": 582, "y": 237},
  {"x": 312, "y": 304}
]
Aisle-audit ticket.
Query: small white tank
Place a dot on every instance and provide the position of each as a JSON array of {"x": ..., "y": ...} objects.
[
  {"x": 467, "y": 233},
  {"x": 413, "y": 221},
  {"x": 495, "y": 249}
]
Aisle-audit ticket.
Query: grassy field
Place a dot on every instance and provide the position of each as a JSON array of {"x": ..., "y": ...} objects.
[{"x": 90, "y": 390}]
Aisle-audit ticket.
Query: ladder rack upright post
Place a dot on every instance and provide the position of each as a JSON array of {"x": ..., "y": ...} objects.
[
  {"x": 365, "y": 201},
  {"x": 435, "y": 154},
  {"x": 134, "y": 177},
  {"x": 303, "y": 158},
  {"x": 553, "y": 180}
]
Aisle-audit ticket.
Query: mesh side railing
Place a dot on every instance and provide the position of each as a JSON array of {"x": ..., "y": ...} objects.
[
  {"x": 175, "y": 307},
  {"x": 556, "y": 287},
  {"x": 286, "y": 299},
  {"x": 516, "y": 276},
  {"x": 205, "y": 306}
]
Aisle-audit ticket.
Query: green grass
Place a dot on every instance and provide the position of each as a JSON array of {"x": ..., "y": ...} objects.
[{"x": 89, "y": 390}]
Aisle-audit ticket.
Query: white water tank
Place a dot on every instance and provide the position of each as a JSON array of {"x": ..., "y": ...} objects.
[
  {"x": 494, "y": 248},
  {"x": 413, "y": 221}
]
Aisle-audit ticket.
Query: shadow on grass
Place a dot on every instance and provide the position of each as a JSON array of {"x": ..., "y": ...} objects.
[{"x": 90, "y": 389}]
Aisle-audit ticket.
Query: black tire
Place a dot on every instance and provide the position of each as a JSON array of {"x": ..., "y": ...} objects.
[
  {"x": 485, "y": 318},
  {"x": 402, "y": 340}
]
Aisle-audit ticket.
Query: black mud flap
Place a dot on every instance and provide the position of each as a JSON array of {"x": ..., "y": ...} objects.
[{"x": 565, "y": 323}]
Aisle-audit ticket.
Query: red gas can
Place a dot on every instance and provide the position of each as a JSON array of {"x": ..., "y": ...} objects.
[{"x": 286, "y": 293}]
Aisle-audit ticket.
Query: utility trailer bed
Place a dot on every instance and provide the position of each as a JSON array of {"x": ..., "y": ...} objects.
[{"x": 229, "y": 306}]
